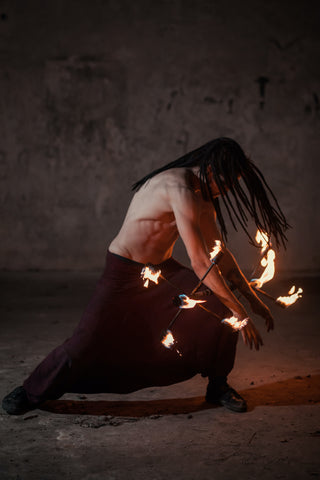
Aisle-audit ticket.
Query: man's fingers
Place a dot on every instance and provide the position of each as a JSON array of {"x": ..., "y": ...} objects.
[
  {"x": 264, "y": 312},
  {"x": 251, "y": 336},
  {"x": 269, "y": 326},
  {"x": 245, "y": 337},
  {"x": 255, "y": 340},
  {"x": 258, "y": 341},
  {"x": 269, "y": 322}
]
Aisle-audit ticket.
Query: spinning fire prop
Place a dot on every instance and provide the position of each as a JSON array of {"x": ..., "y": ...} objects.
[
  {"x": 149, "y": 273},
  {"x": 268, "y": 263},
  {"x": 183, "y": 301}
]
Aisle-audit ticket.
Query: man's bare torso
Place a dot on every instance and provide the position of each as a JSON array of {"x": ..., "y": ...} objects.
[{"x": 149, "y": 231}]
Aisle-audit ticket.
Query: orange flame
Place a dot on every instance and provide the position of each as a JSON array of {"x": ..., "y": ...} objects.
[
  {"x": 269, "y": 270},
  {"x": 263, "y": 239},
  {"x": 148, "y": 274},
  {"x": 216, "y": 249},
  {"x": 291, "y": 298},
  {"x": 187, "y": 302},
  {"x": 235, "y": 323},
  {"x": 168, "y": 341}
]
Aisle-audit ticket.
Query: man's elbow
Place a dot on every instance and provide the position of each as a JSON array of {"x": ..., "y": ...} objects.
[{"x": 200, "y": 265}]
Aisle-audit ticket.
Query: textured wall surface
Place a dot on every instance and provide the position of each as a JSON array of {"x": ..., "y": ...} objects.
[{"x": 94, "y": 94}]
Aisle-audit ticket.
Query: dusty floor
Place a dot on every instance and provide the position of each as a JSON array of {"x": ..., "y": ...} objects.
[{"x": 160, "y": 433}]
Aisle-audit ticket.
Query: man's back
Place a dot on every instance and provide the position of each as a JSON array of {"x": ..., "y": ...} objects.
[{"x": 149, "y": 230}]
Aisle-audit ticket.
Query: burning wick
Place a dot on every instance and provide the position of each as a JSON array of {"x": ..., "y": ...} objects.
[
  {"x": 267, "y": 262},
  {"x": 215, "y": 256},
  {"x": 283, "y": 302},
  {"x": 235, "y": 323},
  {"x": 168, "y": 341},
  {"x": 186, "y": 302},
  {"x": 291, "y": 298},
  {"x": 269, "y": 269},
  {"x": 216, "y": 250},
  {"x": 148, "y": 273},
  {"x": 262, "y": 239}
]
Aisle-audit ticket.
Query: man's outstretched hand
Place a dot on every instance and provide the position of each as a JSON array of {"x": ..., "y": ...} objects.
[{"x": 251, "y": 336}]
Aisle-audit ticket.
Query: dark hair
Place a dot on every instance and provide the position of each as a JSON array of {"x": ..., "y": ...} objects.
[{"x": 228, "y": 163}]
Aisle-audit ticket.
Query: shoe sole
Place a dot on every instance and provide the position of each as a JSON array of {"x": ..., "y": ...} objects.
[{"x": 234, "y": 408}]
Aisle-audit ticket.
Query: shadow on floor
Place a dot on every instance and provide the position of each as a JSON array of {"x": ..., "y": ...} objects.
[{"x": 293, "y": 391}]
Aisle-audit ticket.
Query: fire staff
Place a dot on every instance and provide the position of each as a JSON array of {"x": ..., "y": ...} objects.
[{"x": 116, "y": 346}]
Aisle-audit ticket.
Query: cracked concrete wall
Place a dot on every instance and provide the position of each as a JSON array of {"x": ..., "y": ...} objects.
[{"x": 95, "y": 94}]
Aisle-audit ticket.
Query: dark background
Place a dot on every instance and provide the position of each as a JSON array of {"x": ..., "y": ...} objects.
[{"x": 94, "y": 94}]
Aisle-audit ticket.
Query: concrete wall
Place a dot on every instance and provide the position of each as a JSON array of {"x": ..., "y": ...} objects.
[{"x": 94, "y": 94}]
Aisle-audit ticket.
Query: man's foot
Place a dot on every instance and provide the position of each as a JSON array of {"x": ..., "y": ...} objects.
[
  {"x": 17, "y": 402},
  {"x": 225, "y": 395}
]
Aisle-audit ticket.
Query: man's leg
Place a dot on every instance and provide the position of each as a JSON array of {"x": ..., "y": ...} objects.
[
  {"x": 218, "y": 390},
  {"x": 50, "y": 380}
]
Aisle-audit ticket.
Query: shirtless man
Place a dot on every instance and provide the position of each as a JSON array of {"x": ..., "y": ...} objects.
[
  {"x": 171, "y": 204},
  {"x": 179, "y": 199}
]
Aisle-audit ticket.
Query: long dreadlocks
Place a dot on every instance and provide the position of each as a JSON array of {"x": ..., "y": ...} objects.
[{"x": 229, "y": 164}]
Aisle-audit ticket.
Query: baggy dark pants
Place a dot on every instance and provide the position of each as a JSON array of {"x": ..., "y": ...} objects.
[{"x": 116, "y": 348}]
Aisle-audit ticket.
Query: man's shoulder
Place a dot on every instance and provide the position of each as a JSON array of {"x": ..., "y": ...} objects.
[
  {"x": 177, "y": 179},
  {"x": 183, "y": 189},
  {"x": 173, "y": 174}
]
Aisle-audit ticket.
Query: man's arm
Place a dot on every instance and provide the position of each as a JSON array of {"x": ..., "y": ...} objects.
[
  {"x": 186, "y": 207},
  {"x": 232, "y": 272}
]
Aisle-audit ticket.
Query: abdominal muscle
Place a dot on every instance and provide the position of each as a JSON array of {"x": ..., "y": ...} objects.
[{"x": 145, "y": 241}]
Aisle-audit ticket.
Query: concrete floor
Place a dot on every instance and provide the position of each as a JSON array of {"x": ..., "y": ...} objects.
[{"x": 160, "y": 433}]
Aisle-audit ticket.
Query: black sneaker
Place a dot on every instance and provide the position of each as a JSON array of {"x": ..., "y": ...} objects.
[
  {"x": 226, "y": 396},
  {"x": 16, "y": 402}
]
